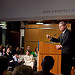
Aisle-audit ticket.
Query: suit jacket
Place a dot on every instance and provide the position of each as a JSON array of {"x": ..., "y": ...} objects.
[{"x": 65, "y": 41}]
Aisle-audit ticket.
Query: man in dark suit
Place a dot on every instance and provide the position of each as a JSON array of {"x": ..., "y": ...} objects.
[
  {"x": 65, "y": 41},
  {"x": 47, "y": 65}
]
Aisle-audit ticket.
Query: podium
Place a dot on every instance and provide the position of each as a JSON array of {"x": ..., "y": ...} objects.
[{"x": 47, "y": 49}]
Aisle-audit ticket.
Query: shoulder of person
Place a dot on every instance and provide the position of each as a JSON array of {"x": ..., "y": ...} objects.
[
  {"x": 32, "y": 52},
  {"x": 67, "y": 30},
  {"x": 37, "y": 73}
]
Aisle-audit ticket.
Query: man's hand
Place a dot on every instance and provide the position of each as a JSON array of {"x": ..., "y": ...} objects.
[
  {"x": 48, "y": 36},
  {"x": 58, "y": 47}
]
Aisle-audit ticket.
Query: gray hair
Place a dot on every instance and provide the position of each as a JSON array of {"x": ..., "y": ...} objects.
[{"x": 63, "y": 23}]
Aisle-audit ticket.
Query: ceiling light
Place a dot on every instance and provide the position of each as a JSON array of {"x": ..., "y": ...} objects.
[
  {"x": 2, "y": 24},
  {"x": 39, "y": 23}
]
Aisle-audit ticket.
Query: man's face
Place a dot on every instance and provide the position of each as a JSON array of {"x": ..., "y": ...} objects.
[{"x": 62, "y": 27}]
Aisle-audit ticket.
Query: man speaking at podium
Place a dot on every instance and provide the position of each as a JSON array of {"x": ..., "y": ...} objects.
[{"x": 65, "y": 41}]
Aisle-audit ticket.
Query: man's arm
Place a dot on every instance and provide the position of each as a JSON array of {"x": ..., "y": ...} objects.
[{"x": 52, "y": 38}]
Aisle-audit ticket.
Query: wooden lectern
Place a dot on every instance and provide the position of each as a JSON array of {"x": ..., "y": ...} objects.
[{"x": 46, "y": 49}]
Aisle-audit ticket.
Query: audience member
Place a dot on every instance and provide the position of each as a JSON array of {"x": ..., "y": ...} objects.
[
  {"x": 11, "y": 51},
  {"x": 36, "y": 51},
  {"x": 10, "y": 58},
  {"x": 0, "y": 53},
  {"x": 31, "y": 52},
  {"x": 17, "y": 59},
  {"x": 35, "y": 64},
  {"x": 0, "y": 50},
  {"x": 3, "y": 51},
  {"x": 22, "y": 70},
  {"x": 8, "y": 55},
  {"x": 0, "y": 47},
  {"x": 21, "y": 51},
  {"x": 3, "y": 65},
  {"x": 21, "y": 57},
  {"x": 29, "y": 59},
  {"x": 47, "y": 65},
  {"x": 7, "y": 45},
  {"x": 17, "y": 51}
]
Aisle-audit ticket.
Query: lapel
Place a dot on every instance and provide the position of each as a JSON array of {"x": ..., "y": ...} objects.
[{"x": 63, "y": 36}]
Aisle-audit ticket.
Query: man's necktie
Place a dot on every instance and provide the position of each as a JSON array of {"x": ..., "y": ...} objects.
[{"x": 62, "y": 37}]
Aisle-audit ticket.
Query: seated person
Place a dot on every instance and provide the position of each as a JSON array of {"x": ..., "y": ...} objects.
[
  {"x": 3, "y": 51},
  {"x": 22, "y": 70},
  {"x": 47, "y": 65},
  {"x": 17, "y": 59},
  {"x": 35, "y": 64},
  {"x": 0, "y": 50},
  {"x": 11, "y": 51},
  {"x": 11, "y": 61},
  {"x": 3, "y": 65},
  {"x": 21, "y": 57},
  {"x": 36, "y": 51},
  {"x": 29, "y": 59},
  {"x": 8, "y": 55},
  {"x": 31, "y": 52},
  {"x": 17, "y": 51}
]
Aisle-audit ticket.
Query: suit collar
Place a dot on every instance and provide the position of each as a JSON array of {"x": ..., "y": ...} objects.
[{"x": 64, "y": 31}]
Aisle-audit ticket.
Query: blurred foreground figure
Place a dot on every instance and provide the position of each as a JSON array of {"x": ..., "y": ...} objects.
[
  {"x": 47, "y": 65},
  {"x": 3, "y": 65},
  {"x": 22, "y": 70}
]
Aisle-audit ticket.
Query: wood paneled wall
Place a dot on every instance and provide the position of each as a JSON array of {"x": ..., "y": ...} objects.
[{"x": 35, "y": 33}]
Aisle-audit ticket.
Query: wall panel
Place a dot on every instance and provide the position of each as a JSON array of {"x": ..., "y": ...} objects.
[{"x": 37, "y": 33}]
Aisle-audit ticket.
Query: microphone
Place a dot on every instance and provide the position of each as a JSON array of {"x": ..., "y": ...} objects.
[{"x": 55, "y": 34}]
